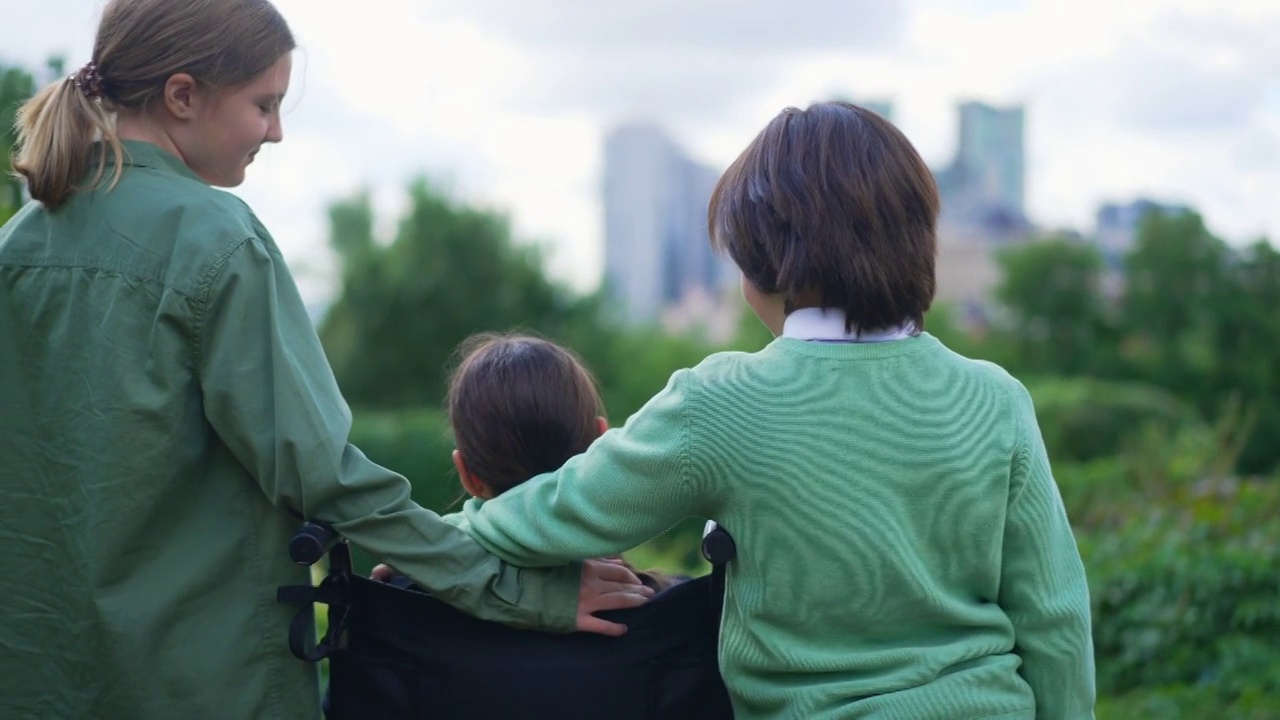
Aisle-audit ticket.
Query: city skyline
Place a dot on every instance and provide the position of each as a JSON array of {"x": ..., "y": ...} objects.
[
  {"x": 509, "y": 102},
  {"x": 656, "y": 247},
  {"x": 658, "y": 261}
]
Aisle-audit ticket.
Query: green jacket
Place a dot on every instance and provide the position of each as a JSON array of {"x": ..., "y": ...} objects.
[{"x": 166, "y": 416}]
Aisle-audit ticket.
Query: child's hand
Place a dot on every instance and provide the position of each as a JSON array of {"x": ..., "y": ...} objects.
[
  {"x": 607, "y": 585},
  {"x": 382, "y": 573}
]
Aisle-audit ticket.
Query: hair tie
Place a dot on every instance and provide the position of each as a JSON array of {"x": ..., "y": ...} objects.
[{"x": 89, "y": 81}]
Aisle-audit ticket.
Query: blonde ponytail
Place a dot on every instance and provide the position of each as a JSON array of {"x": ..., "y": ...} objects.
[{"x": 58, "y": 131}]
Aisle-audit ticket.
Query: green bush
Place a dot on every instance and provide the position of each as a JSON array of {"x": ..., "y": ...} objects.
[
  {"x": 416, "y": 444},
  {"x": 1182, "y": 559},
  {"x": 1185, "y": 702},
  {"x": 1083, "y": 419},
  {"x": 1185, "y": 593},
  {"x": 1179, "y": 602}
]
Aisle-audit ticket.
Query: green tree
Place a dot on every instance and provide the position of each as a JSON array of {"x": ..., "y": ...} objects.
[
  {"x": 451, "y": 271},
  {"x": 16, "y": 87},
  {"x": 1245, "y": 335},
  {"x": 1177, "y": 287},
  {"x": 1057, "y": 313}
]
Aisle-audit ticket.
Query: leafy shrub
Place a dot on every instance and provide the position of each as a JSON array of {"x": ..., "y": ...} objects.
[
  {"x": 1185, "y": 702},
  {"x": 1083, "y": 419}
]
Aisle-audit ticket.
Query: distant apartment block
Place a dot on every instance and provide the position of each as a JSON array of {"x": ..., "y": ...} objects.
[
  {"x": 984, "y": 188},
  {"x": 659, "y": 266},
  {"x": 1116, "y": 224},
  {"x": 657, "y": 253}
]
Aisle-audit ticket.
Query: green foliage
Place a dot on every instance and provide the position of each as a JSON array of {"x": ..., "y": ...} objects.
[
  {"x": 1053, "y": 289},
  {"x": 1182, "y": 560},
  {"x": 1185, "y": 702},
  {"x": 1176, "y": 275},
  {"x": 1085, "y": 419},
  {"x": 633, "y": 366},
  {"x": 16, "y": 86},
  {"x": 450, "y": 272},
  {"x": 417, "y": 444},
  {"x": 1185, "y": 593},
  {"x": 1189, "y": 315}
]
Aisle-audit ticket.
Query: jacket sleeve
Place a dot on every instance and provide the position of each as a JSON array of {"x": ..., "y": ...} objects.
[
  {"x": 271, "y": 397},
  {"x": 1043, "y": 587}
]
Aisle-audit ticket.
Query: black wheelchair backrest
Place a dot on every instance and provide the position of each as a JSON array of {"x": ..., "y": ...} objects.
[{"x": 399, "y": 653}]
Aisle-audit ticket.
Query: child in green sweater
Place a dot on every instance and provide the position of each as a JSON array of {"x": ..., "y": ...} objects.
[{"x": 903, "y": 551}]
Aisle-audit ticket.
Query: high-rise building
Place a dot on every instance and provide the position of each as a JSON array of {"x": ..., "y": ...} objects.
[
  {"x": 1116, "y": 224},
  {"x": 993, "y": 149},
  {"x": 984, "y": 188},
  {"x": 655, "y": 208}
]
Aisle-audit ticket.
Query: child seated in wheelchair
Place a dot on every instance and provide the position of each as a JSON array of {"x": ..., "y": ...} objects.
[{"x": 520, "y": 406}]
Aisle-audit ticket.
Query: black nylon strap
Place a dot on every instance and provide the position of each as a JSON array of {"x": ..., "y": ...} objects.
[{"x": 332, "y": 591}]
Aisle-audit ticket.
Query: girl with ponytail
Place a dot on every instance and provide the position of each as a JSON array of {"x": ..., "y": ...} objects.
[{"x": 167, "y": 415}]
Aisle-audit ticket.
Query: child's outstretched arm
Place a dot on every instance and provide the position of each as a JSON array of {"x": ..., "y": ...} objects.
[
  {"x": 1043, "y": 587},
  {"x": 633, "y": 483}
]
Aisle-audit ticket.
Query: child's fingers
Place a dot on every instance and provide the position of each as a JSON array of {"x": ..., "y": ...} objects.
[
  {"x": 621, "y": 596},
  {"x": 608, "y": 571},
  {"x": 618, "y": 599},
  {"x": 592, "y": 624}
]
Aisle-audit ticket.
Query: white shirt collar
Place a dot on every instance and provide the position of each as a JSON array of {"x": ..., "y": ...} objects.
[{"x": 828, "y": 324}]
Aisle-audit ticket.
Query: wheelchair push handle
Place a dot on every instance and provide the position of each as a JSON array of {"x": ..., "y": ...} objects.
[
  {"x": 718, "y": 546},
  {"x": 312, "y": 542}
]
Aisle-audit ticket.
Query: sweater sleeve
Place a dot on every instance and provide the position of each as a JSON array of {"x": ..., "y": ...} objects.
[
  {"x": 632, "y": 484},
  {"x": 1043, "y": 588}
]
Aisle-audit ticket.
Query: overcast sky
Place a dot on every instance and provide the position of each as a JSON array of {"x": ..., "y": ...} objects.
[{"x": 507, "y": 100}]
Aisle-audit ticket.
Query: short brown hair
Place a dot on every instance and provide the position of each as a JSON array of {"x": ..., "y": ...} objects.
[
  {"x": 520, "y": 406},
  {"x": 140, "y": 44},
  {"x": 832, "y": 206}
]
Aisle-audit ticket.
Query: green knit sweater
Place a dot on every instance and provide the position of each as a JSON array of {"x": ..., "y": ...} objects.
[{"x": 903, "y": 551}]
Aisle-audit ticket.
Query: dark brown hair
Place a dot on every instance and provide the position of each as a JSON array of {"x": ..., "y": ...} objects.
[
  {"x": 140, "y": 44},
  {"x": 832, "y": 206},
  {"x": 520, "y": 406}
]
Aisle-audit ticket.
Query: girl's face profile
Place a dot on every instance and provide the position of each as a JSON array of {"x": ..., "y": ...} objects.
[{"x": 231, "y": 125}]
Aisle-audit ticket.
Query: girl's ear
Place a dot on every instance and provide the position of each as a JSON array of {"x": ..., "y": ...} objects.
[
  {"x": 474, "y": 486},
  {"x": 182, "y": 96},
  {"x": 602, "y": 425}
]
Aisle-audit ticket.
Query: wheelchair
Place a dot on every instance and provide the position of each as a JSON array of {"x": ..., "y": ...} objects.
[{"x": 397, "y": 653}]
